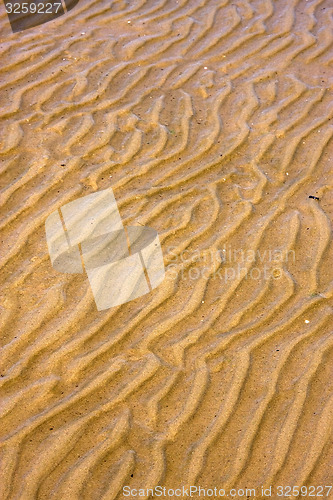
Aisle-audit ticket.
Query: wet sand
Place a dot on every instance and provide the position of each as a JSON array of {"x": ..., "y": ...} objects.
[{"x": 211, "y": 121}]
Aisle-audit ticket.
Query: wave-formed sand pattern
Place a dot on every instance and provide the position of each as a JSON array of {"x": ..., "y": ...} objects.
[{"x": 211, "y": 121}]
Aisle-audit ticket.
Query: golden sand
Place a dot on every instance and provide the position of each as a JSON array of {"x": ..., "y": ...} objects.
[{"x": 211, "y": 121}]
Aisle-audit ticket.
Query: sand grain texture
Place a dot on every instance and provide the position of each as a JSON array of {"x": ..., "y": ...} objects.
[{"x": 212, "y": 122}]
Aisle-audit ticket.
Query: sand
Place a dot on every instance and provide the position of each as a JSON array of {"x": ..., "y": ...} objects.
[{"x": 211, "y": 121}]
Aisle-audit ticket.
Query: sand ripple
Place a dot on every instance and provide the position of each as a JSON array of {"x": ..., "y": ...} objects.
[{"x": 211, "y": 121}]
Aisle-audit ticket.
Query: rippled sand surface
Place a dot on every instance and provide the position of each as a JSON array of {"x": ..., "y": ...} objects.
[{"x": 211, "y": 121}]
